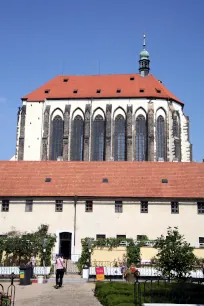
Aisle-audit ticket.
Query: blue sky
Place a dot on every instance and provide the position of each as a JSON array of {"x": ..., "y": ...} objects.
[{"x": 41, "y": 39}]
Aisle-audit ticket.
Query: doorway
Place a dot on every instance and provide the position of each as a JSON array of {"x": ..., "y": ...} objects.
[{"x": 65, "y": 244}]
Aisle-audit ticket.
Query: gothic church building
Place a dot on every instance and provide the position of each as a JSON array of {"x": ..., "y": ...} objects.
[{"x": 130, "y": 117}]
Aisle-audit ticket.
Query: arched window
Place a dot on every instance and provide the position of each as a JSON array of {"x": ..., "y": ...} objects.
[
  {"x": 141, "y": 138},
  {"x": 176, "y": 135},
  {"x": 98, "y": 138},
  {"x": 77, "y": 138},
  {"x": 119, "y": 141},
  {"x": 176, "y": 127},
  {"x": 160, "y": 137},
  {"x": 57, "y": 137}
]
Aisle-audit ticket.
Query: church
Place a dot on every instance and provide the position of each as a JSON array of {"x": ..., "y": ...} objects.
[
  {"x": 103, "y": 156},
  {"x": 129, "y": 117}
]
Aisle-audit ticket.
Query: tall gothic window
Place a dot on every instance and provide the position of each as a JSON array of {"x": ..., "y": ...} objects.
[
  {"x": 160, "y": 137},
  {"x": 119, "y": 141},
  {"x": 141, "y": 138},
  {"x": 176, "y": 127},
  {"x": 176, "y": 135},
  {"x": 77, "y": 138},
  {"x": 57, "y": 137},
  {"x": 98, "y": 138}
]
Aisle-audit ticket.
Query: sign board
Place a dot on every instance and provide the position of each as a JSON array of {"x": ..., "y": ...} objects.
[
  {"x": 21, "y": 274},
  {"x": 100, "y": 273}
]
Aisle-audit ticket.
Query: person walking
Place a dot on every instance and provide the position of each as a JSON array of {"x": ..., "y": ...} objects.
[
  {"x": 32, "y": 263},
  {"x": 60, "y": 269}
]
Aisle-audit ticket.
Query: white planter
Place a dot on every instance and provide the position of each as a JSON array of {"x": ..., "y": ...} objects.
[
  {"x": 40, "y": 279},
  {"x": 85, "y": 273}
]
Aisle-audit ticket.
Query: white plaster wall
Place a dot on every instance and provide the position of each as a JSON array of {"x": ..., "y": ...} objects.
[
  {"x": 35, "y": 112},
  {"x": 104, "y": 220},
  {"x": 43, "y": 213},
  {"x": 33, "y": 131}
]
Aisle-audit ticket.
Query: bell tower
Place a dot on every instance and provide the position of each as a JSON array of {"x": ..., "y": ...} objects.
[{"x": 144, "y": 60}]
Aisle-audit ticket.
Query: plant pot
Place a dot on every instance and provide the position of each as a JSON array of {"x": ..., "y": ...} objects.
[{"x": 130, "y": 278}]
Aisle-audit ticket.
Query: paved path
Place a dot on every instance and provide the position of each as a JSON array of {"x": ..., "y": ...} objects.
[{"x": 71, "y": 294}]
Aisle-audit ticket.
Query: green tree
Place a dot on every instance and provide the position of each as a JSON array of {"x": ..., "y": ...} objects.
[
  {"x": 19, "y": 247},
  {"x": 133, "y": 254},
  {"x": 175, "y": 256}
]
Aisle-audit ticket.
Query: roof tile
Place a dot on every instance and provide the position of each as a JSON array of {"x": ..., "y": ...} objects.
[
  {"x": 125, "y": 179},
  {"x": 87, "y": 86}
]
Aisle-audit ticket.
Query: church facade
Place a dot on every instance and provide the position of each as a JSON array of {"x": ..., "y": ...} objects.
[{"x": 131, "y": 117}]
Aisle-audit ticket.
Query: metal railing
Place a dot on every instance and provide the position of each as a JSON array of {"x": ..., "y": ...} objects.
[
  {"x": 8, "y": 298},
  {"x": 163, "y": 291},
  {"x": 112, "y": 271}
]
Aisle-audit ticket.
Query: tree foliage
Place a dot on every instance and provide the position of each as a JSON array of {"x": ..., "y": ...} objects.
[
  {"x": 133, "y": 254},
  {"x": 89, "y": 244},
  {"x": 175, "y": 256},
  {"x": 19, "y": 247}
]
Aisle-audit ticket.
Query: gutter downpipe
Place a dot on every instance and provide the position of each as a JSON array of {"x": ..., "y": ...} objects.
[{"x": 75, "y": 203}]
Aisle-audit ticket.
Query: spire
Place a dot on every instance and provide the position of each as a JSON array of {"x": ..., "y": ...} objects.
[
  {"x": 144, "y": 42},
  {"x": 144, "y": 60}
]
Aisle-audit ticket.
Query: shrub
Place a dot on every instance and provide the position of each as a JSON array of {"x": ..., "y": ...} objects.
[
  {"x": 114, "y": 294},
  {"x": 175, "y": 255}
]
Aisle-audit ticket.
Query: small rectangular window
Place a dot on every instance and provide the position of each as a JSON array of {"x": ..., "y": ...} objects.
[
  {"x": 47, "y": 91},
  {"x": 65, "y": 80},
  {"x": 144, "y": 207},
  {"x": 58, "y": 205},
  {"x": 201, "y": 240},
  {"x": 158, "y": 90},
  {"x": 100, "y": 236},
  {"x": 174, "y": 207},
  {"x": 118, "y": 206},
  {"x": 5, "y": 206},
  {"x": 98, "y": 91},
  {"x": 75, "y": 91},
  {"x": 29, "y": 206},
  {"x": 118, "y": 91},
  {"x": 121, "y": 236},
  {"x": 48, "y": 179},
  {"x": 141, "y": 90},
  {"x": 89, "y": 206},
  {"x": 200, "y": 207},
  {"x": 132, "y": 78},
  {"x": 141, "y": 237}
]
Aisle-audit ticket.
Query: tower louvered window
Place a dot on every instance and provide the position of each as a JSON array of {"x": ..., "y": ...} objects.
[
  {"x": 160, "y": 138},
  {"x": 57, "y": 137},
  {"x": 98, "y": 138},
  {"x": 77, "y": 138},
  {"x": 141, "y": 138},
  {"x": 119, "y": 141}
]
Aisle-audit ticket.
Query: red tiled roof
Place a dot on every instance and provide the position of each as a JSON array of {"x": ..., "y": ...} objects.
[
  {"x": 101, "y": 86},
  {"x": 125, "y": 179}
]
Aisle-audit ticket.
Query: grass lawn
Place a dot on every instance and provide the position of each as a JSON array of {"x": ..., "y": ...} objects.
[{"x": 122, "y": 294}]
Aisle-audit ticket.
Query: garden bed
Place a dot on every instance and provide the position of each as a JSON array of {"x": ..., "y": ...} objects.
[{"x": 122, "y": 294}]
